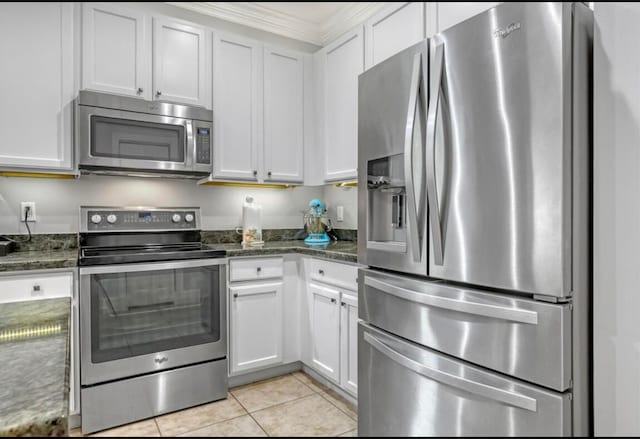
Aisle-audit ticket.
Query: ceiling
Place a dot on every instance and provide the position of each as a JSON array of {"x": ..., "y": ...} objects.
[{"x": 313, "y": 22}]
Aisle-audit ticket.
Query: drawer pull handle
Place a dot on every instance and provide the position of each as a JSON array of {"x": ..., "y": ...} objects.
[
  {"x": 259, "y": 269},
  {"x": 321, "y": 272},
  {"x": 343, "y": 303},
  {"x": 235, "y": 295},
  {"x": 333, "y": 301},
  {"x": 36, "y": 288},
  {"x": 161, "y": 360}
]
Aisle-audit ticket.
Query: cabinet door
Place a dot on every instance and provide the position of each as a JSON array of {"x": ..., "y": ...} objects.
[
  {"x": 452, "y": 13},
  {"x": 343, "y": 61},
  {"x": 181, "y": 63},
  {"x": 237, "y": 94},
  {"x": 392, "y": 30},
  {"x": 283, "y": 115},
  {"x": 255, "y": 331},
  {"x": 349, "y": 342},
  {"x": 325, "y": 330},
  {"x": 36, "y": 85},
  {"x": 116, "y": 50}
]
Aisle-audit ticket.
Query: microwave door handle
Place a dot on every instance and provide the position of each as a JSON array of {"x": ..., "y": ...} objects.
[
  {"x": 190, "y": 152},
  {"x": 432, "y": 118}
]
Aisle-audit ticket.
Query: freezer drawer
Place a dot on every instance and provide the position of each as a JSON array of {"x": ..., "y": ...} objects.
[
  {"x": 524, "y": 338},
  {"x": 408, "y": 390}
]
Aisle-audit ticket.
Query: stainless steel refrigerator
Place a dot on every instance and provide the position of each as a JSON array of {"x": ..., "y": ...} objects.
[{"x": 474, "y": 159}]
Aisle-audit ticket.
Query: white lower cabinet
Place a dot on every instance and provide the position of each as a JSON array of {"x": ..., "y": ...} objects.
[
  {"x": 325, "y": 330},
  {"x": 349, "y": 343},
  {"x": 255, "y": 332}
]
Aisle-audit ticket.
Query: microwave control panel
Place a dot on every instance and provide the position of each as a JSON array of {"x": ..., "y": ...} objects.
[{"x": 203, "y": 145}]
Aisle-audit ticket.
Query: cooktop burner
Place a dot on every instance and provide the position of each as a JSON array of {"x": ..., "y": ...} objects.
[{"x": 131, "y": 235}]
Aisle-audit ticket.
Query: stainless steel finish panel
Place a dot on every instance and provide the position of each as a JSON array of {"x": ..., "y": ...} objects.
[
  {"x": 408, "y": 390},
  {"x": 582, "y": 220},
  {"x": 93, "y": 373},
  {"x": 137, "y": 105},
  {"x": 526, "y": 339},
  {"x": 88, "y": 162},
  {"x": 120, "y": 402},
  {"x": 85, "y": 218},
  {"x": 503, "y": 149},
  {"x": 391, "y": 116}
]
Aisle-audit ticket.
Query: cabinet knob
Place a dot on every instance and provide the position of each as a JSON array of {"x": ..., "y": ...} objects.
[
  {"x": 269, "y": 174},
  {"x": 343, "y": 303},
  {"x": 235, "y": 295},
  {"x": 321, "y": 272},
  {"x": 158, "y": 93},
  {"x": 255, "y": 173},
  {"x": 259, "y": 269},
  {"x": 140, "y": 90},
  {"x": 333, "y": 300}
]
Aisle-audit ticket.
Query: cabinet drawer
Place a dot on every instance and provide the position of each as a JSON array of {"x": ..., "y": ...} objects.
[
  {"x": 17, "y": 288},
  {"x": 340, "y": 275},
  {"x": 253, "y": 269}
]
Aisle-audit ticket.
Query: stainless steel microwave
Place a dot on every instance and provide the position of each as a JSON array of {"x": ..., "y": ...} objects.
[{"x": 129, "y": 136}]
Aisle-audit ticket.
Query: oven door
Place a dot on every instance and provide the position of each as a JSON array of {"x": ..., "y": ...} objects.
[
  {"x": 125, "y": 140},
  {"x": 142, "y": 318}
]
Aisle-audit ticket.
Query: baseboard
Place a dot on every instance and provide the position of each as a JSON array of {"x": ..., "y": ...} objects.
[
  {"x": 309, "y": 371},
  {"x": 74, "y": 421},
  {"x": 264, "y": 374}
]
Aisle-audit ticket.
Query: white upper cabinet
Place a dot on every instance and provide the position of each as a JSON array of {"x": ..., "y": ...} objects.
[
  {"x": 116, "y": 50},
  {"x": 237, "y": 97},
  {"x": 341, "y": 63},
  {"x": 443, "y": 15},
  {"x": 392, "y": 30},
  {"x": 36, "y": 85},
  {"x": 181, "y": 62},
  {"x": 283, "y": 115}
]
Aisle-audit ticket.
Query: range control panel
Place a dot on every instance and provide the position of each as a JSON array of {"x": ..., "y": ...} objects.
[{"x": 95, "y": 219}]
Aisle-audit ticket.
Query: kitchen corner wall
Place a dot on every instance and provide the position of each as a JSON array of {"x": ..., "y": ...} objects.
[
  {"x": 616, "y": 331},
  {"x": 342, "y": 196},
  {"x": 58, "y": 201}
]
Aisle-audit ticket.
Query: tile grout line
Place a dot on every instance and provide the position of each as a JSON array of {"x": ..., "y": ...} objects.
[
  {"x": 250, "y": 415},
  {"x": 336, "y": 406}
]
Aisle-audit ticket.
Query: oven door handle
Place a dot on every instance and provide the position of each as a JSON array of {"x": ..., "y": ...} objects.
[{"x": 152, "y": 266}]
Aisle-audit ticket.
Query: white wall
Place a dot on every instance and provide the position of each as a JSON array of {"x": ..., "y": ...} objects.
[
  {"x": 617, "y": 219},
  {"x": 57, "y": 201},
  {"x": 342, "y": 196}
]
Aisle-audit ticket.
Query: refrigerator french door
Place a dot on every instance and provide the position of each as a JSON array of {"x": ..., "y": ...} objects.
[{"x": 475, "y": 202}]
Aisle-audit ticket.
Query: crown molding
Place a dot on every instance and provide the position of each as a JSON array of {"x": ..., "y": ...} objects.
[{"x": 261, "y": 17}]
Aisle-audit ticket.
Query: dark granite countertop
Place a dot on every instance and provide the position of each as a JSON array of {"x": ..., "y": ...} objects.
[
  {"x": 39, "y": 260},
  {"x": 34, "y": 389},
  {"x": 51, "y": 259},
  {"x": 339, "y": 250}
]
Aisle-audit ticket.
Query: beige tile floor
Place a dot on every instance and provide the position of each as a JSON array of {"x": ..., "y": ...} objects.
[{"x": 289, "y": 405}]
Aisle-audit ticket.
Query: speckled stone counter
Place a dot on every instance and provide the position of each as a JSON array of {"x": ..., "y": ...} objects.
[
  {"x": 338, "y": 250},
  {"x": 39, "y": 260},
  {"x": 34, "y": 383}
]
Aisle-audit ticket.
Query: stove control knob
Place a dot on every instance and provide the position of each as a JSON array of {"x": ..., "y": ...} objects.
[
  {"x": 112, "y": 219},
  {"x": 188, "y": 218},
  {"x": 96, "y": 219},
  {"x": 176, "y": 218}
]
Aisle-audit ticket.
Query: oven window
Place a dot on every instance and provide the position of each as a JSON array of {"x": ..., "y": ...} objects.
[
  {"x": 137, "y": 140},
  {"x": 139, "y": 313}
]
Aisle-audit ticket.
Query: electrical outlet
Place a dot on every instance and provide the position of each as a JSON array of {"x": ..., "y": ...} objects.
[
  {"x": 32, "y": 211},
  {"x": 340, "y": 213}
]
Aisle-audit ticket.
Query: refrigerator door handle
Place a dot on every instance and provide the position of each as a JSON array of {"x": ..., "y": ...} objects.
[
  {"x": 479, "y": 309},
  {"x": 432, "y": 118},
  {"x": 483, "y": 390},
  {"x": 412, "y": 207}
]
